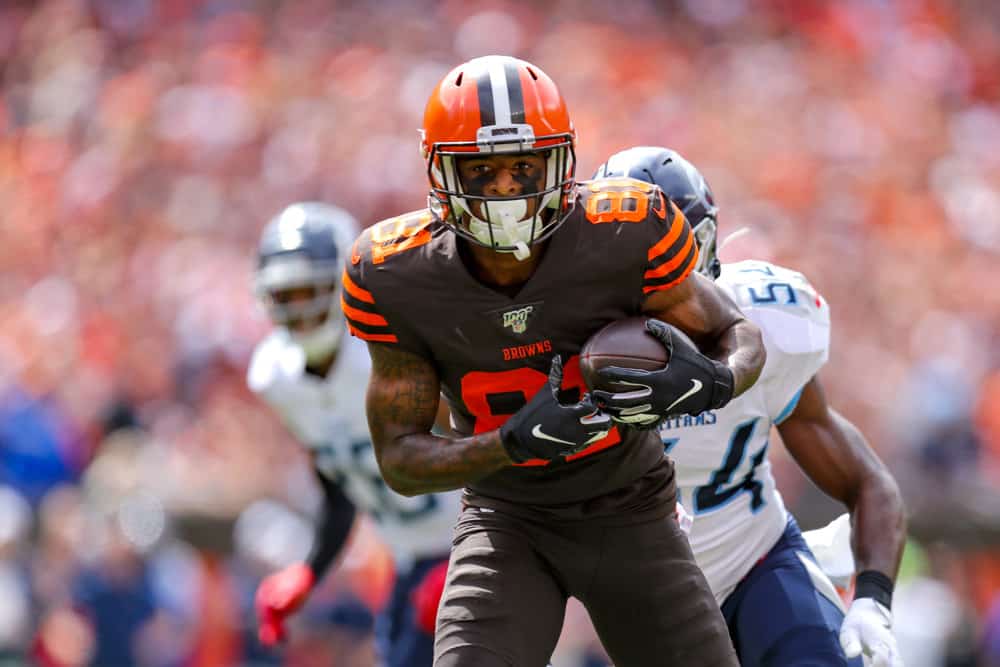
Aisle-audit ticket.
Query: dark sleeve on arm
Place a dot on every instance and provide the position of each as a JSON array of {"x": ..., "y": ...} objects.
[{"x": 334, "y": 525}]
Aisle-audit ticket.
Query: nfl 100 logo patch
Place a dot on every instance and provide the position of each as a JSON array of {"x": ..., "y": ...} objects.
[{"x": 517, "y": 319}]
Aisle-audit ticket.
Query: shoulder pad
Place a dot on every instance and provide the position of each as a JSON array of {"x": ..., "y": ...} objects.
[
  {"x": 388, "y": 237},
  {"x": 622, "y": 199},
  {"x": 366, "y": 280},
  {"x": 782, "y": 302},
  {"x": 274, "y": 364}
]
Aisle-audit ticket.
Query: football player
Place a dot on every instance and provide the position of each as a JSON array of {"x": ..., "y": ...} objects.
[
  {"x": 490, "y": 294},
  {"x": 314, "y": 377},
  {"x": 780, "y": 608}
]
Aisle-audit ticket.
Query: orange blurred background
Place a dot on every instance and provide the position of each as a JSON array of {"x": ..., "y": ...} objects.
[{"x": 144, "y": 143}]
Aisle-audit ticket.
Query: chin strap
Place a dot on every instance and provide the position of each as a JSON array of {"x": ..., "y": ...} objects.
[
  {"x": 509, "y": 217},
  {"x": 509, "y": 224}
]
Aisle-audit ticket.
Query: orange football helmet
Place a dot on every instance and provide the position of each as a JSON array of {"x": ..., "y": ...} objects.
[{"x": 499, "y": 104}]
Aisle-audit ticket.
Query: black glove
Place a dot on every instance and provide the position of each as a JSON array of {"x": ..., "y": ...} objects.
[
  {"x": 689, "y": 384},
  {"x": 546, "y": 429}
]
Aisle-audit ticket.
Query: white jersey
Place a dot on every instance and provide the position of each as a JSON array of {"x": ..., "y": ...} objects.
[
  {"x": 723, "y": 474},
  {"x": 327, "y": 415}
]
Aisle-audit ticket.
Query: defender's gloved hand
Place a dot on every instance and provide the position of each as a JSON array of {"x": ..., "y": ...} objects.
[
  {"x": 546, "y": 429},
  {"x": 690, "y": 384},
  {"x": 867, "y": 629},
  {"x": 684, "y": 519},
  {"x": 279, "y": 596}
]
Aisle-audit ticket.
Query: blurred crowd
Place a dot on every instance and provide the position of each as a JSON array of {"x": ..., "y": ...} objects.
[{"x": 144, "y": 143}]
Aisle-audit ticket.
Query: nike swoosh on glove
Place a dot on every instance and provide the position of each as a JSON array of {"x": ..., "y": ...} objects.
[
  {"x": 867, "y": 630},
  {"x": 278, "y": 596},
  {"x": 546, "y": 429},
  {"x": 690, "y": 383}
]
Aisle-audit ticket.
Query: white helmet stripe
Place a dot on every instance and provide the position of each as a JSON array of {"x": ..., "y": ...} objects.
[{"x": 501, "y": 96}]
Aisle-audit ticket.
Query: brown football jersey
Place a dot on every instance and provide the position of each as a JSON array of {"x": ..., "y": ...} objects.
[{"x": 407, "y": 285}]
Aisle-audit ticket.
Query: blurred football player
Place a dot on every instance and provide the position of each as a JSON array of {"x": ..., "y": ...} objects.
[
  {"x": 490, "y": 294},
  {"x": 314, "y": 377},
  {"x": 781, "y": 609}
]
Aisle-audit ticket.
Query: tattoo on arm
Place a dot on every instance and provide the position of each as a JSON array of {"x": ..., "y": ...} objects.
[
  {"x": 403, "y": 391},
  {"x": 402, "y": 403}
]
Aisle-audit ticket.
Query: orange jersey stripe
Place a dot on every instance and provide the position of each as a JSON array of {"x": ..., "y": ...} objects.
[
  {"x": 672, "y": 235},
  {"x": 610, "y": 440},
  {"x": 687, "y": 271},
  {"x": 361, "y": 316},
  {"x": 375, "y": 338},
  {"x": 530, "y": 463},
  {"x": 355, "y": 291},
  {"x": 673, "y": 263}
]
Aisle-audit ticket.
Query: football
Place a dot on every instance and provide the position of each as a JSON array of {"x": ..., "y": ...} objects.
[{"x": 624, "y": 343}]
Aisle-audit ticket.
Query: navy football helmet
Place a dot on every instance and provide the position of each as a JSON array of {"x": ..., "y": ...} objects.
[
  {"x": 682, "y": 183},
  {"x": 300, "y": 258}
]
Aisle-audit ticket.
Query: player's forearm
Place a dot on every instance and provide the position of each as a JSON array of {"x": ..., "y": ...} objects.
[
  {"x": 402, "y": 404},
  {"x": 838, "y": 459},
  {"x": 741, "y": 348},
  {"x": 878, "y": 527},
  {"x": 425, "y": 463},
  {"x": 878, "y": 516}
]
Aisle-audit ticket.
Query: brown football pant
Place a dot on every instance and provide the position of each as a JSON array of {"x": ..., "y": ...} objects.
[{"x": 509, "y": 578}]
